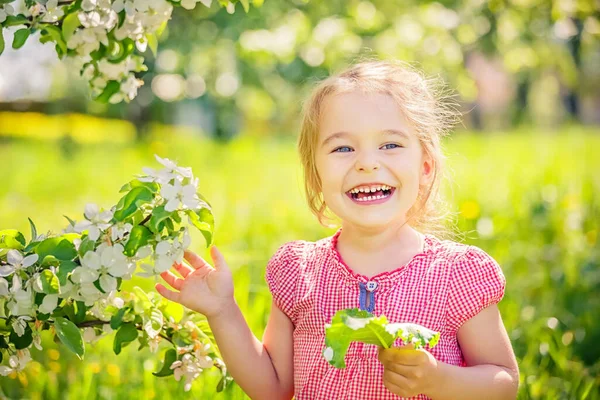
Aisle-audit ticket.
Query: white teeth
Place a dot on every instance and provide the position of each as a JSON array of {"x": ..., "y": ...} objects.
[{"x": 372, "y": 189}]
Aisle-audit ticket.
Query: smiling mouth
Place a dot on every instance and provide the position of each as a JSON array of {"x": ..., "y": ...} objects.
[{"x": 371, "y": 196}]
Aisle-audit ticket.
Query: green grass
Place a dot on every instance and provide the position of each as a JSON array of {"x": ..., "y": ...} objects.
[{"x": 539, "y": 191}]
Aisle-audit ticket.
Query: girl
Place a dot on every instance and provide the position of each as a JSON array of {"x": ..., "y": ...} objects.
[{"x": 370, "y": 148}]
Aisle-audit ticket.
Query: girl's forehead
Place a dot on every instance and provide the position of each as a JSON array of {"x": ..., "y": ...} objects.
[{"x": 357, "y": 112}]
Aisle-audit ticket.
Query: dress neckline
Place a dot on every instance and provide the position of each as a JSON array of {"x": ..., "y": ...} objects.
[{"x": 382, "y": 277}]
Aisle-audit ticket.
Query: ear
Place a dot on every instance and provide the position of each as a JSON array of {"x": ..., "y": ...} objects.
[{"x": 427, "y": 169}]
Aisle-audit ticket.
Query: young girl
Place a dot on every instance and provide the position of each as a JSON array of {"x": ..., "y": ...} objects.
[{"x": 370, "y": 148}]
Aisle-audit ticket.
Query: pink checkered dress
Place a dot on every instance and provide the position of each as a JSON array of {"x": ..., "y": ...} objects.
[{"x": 440, "y": 288}]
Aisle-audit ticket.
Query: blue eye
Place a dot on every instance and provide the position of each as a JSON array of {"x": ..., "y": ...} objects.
[
  {"x": 342, "y": 147},
  {"x": 391, "y": 144}
]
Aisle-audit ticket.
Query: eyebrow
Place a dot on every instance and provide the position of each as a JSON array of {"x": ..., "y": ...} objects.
[{"x": 393, "y": 132}]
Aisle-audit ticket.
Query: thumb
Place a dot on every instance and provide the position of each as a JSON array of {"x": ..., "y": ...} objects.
[{"x": 218, "y": 259}]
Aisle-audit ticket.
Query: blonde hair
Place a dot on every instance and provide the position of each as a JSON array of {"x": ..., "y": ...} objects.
[{"x": 423, "y": 102}]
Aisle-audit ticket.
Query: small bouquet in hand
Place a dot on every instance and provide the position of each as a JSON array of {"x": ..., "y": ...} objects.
[{"x": 354, "y": 325}]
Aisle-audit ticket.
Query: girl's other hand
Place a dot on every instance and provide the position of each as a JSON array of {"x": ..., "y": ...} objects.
[
  {"x": 202, "y": 288},
  {"x": 408, "y": 372}
]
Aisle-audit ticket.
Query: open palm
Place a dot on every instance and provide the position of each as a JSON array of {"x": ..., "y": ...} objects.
[{"x": 201, "y": 287}]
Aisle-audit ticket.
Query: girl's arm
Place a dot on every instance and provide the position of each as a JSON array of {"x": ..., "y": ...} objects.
[
  {"x": 492, "y": 371},
  {"x": 262, "y": 370}
]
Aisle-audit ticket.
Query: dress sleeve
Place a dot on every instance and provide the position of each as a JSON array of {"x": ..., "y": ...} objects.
[
  {"x": 282, "y": 274},
  {"x": 477, "y": 282}
]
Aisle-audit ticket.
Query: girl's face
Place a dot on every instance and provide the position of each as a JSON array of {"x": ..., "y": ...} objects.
[{"x": 369, "y": 159}]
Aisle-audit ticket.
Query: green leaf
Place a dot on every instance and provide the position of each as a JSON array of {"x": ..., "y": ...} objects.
[
  {"x": 81, "y": 311},
  {"x": 126, "y": 47},
  {"x": 127, "y": 333},
  {"x": 354, "y": 325},
  {"x": 86, "y": 245},
  {"x": 70, "y": 24},
  {"x": 50, "y": 282},
  {"x": 138, "y": 237},
  {"x": 153, "y": 186},
  {"x": 117, "y": 319},
  {"x": 158, "y": 215},
  {"x": 59, "y": 247},
  {"x": 2, "y": 43},
  {"x": 20, "y": 38},
  {"x": 12, "y": 239},
  {"x": 23, "y": 341},
  {"x": 129, "y": 203},
  {"x": 153, "y": 324},
  {"x": 203, "y": 220},
  {"x": 170, "y": 358},
  {"x": 246, "y": 5},
  {"x": 65, "y": 267},
  {"x": 70, "y": 335},
  {"x": 152, "y": 43},
  {"x": 33, "y": 229},
  {"x": 56, "y": 34},
  {"x": 111, "y": 88},
  {"x": 15, "y": 20}
]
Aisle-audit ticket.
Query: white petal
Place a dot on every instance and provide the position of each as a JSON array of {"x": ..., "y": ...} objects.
[
  {"x": 30, "y": 260},
  {"x": 163, "y": 263},
  {"x": 143, "y": 252},
  {"x": 14, "y": 257},
  {"x": 91, "y": 210},
  {"x": 6, "y": 270},
  {"x": 3, "y": 287},
  {"x": 88, "y": 275},
  {"x": 93, "y": 232},
  {"x": 107, "y": 256},
  {"x": 168, "y": 191},
  {"x": 162, "y": 248},
  {"x": 91, "y": 260},
  {"x": 172, "y": 205},
  {"x": 4, "y": 370},
  {"x": 108, "y": 283}
]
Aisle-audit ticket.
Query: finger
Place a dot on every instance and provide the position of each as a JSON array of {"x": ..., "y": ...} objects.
[
  {"x": 172, "y": 280},
  {"x": 397, "y": 383},
  {"x": 407, "y": 355},
  {"x": 195, "y": 260},
  {"x": 406, "y": 371},
  {"x": 183, "y": 269},
  {"x": 166, "y": 293},
  {"x": 217, "y": 258}
]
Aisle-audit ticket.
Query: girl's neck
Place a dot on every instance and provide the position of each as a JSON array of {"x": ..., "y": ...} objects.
[{"x": 374, "y": 241}]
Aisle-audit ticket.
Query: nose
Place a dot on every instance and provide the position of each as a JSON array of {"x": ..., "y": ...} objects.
[{"x": 367, "y": 162}]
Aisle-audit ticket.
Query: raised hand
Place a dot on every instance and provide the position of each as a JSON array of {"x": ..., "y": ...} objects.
[{"x": 201, "y": 287}]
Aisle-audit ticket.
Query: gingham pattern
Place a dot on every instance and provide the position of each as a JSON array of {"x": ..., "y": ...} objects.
[{"x": 440, "y": 288}]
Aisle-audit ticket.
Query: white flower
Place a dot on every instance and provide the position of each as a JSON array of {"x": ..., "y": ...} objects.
[
  {"x": 201, "y": 353},
  {"x": 17, "y": 362},
  {"x": 53, "y": 12},
  {"x": 96, "y": 221},
  {"x": 118, "y": 231},
  {"x": 187, "y": 367},
  {"x": 106, "y": 263},
  {"x": 20, "y": 324},
  {"x": 19, "y": 301},
  {"x": 16, "y": 262},
  {"x": 178, "y": 194}
]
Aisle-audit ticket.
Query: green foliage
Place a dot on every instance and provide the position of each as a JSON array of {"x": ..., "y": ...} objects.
[
  {"x": 70, "y": 335},
  {"x": 127, "y": 333}
]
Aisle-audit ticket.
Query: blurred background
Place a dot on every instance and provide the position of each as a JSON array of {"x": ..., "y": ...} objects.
[{"x": 223, "y": 95}]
